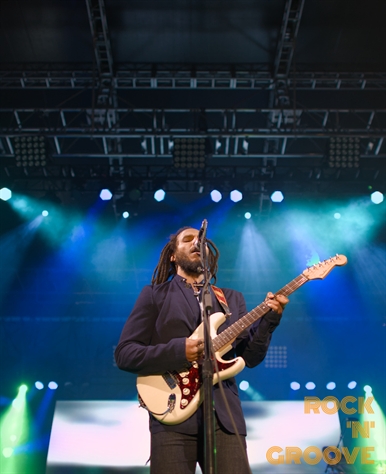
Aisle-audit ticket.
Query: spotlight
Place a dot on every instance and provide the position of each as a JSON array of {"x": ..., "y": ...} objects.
[
  {"x": 310, "y": 386},
  {"x": 352, "y": 385},
  {"x": 39, "y": 385},
  {"x": 331, "y": 385},
  {"x": 215, "y": 195},
  {"x": 377, "y": 197},
  {"x": 295, "y": 385},
  {"x": 106, "y": 194},
  {"x": 53, "y": 385},
  {"x": 159, "y": 195},
  {"x": 243, "y": 385},
  {"x": 125, "y": 214},
  {"x": 7, "y": 452},
  {"x": 23, "y": 389},
  {"x": 247, "y": 215},
  {"x": 277, "y": 196},
  {"x": 5, "y": 194},
  {"x": 236, "y": 195},
  {"x": 337, "y": 215},
  {"x": 45, "y": 213},
  {"x": 367, "y": 389}
]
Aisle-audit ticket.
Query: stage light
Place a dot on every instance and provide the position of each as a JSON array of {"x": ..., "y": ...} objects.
[
  {"x": 277, "y": 196},
  {"x": 106, "y": 194},
  {"x": 189, "y": 152},
  {"x": 337, "y": 215},
  {"x": 344, "y": 152},
  {"x": 367, "y": 389},
  {"x": 159, "y": 195},
  {"x": 331, "y": 385},
  {"x": 352, "y": 385},
  {"x": 5, "y": 194},
  {"x": 377, "y": 197},
  {"x": 236, "y": 195},
  {"x": 45, "y": 213},
  {"x": 125, "y": 214},
  {"x": 310, "y": 386},
  {"x": 19, "y": 402},
  {"x": 39, "y": 385},
  {"x": 247, "y": 215},
  {"x": 295, "y": 385},
  {"x": 243, "y": 385},
  {"x": 30, "y": 151},
  {"x": 7, "y": 452},
  {"x": 53, "y": 385},
  {"x": 216, "y": 196},
  {"x": 245, "y": 146}
]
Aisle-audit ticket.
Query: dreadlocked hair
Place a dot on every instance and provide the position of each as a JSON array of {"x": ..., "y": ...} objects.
[{"x": 166, "y": 268}]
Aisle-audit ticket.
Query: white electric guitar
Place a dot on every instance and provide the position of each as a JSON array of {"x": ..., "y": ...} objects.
[{"x": 174, "y": 396}]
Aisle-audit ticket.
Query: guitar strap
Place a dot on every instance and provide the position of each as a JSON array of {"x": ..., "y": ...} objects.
[{"x": 221, "y": 299}]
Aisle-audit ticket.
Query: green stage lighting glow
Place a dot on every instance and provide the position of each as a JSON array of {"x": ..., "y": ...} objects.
[
  {"x": 15, "y": 427},
  {"x": 370, "y": 431},
  {"x": 7, "y": 452},
  {"x": 247, "y": 215}
]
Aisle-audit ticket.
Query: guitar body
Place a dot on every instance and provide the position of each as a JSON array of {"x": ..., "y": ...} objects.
[{"x": 173, "y": 397}]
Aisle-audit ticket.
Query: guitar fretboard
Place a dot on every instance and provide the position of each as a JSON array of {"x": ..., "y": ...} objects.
[{"x": 230, "y": 334}]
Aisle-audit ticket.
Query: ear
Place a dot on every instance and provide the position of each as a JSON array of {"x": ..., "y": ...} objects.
[{"x": 172, "y": 258}]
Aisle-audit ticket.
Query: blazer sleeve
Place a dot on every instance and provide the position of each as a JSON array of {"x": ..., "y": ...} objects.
[{"x": 138, "y": 350}]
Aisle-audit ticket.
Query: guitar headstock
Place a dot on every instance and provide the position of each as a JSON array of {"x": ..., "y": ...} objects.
[{"x": 322, "y": 269}]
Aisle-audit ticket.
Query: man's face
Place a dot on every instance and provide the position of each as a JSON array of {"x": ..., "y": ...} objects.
[{"x": 187, "y": 256}]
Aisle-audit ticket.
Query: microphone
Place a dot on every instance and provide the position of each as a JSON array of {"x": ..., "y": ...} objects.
[{"x": 201, "y": 234}]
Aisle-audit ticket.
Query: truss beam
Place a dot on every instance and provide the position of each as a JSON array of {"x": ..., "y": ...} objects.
[
  {"x": 133, "y": 78},
  {"x": 166, "y": 122}
]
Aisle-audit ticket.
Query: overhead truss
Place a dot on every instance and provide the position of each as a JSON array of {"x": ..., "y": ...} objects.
[{"x": 173, "y": 77}]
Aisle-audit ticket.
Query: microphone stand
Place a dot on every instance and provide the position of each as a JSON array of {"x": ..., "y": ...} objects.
[{"x": 207, "y": 366}]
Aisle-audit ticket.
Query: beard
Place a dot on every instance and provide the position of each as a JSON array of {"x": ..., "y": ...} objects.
[{"x": 190, "y": 267}]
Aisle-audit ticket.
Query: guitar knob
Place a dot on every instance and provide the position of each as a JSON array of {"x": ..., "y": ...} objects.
[
  {"x": 185, "y": 381},
  {"x": 195, "y": 365},
  {"x": 185, "y": 391},
  {"x": 184, "y": 402},
  {"x": 184, "y": 374}
]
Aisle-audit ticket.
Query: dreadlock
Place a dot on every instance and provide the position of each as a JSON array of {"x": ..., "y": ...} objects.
[{"x": 166, "y": 268}]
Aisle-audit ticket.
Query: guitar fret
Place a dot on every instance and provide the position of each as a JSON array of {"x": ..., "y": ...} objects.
[{"x": 229, "y": 334}]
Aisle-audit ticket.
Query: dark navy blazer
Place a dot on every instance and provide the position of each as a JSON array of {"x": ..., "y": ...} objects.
[{"x": 153, "y": 342}]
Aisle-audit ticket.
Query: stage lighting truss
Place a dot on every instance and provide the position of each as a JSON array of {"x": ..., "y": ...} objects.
[
  {"x": 189, "y": 153},
  {"x": 30, "y": 151},
  {"x": 344, "y": 152}
]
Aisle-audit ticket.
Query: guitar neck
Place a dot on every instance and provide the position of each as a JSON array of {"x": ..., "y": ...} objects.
[{"x": 229, "y": 335}]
